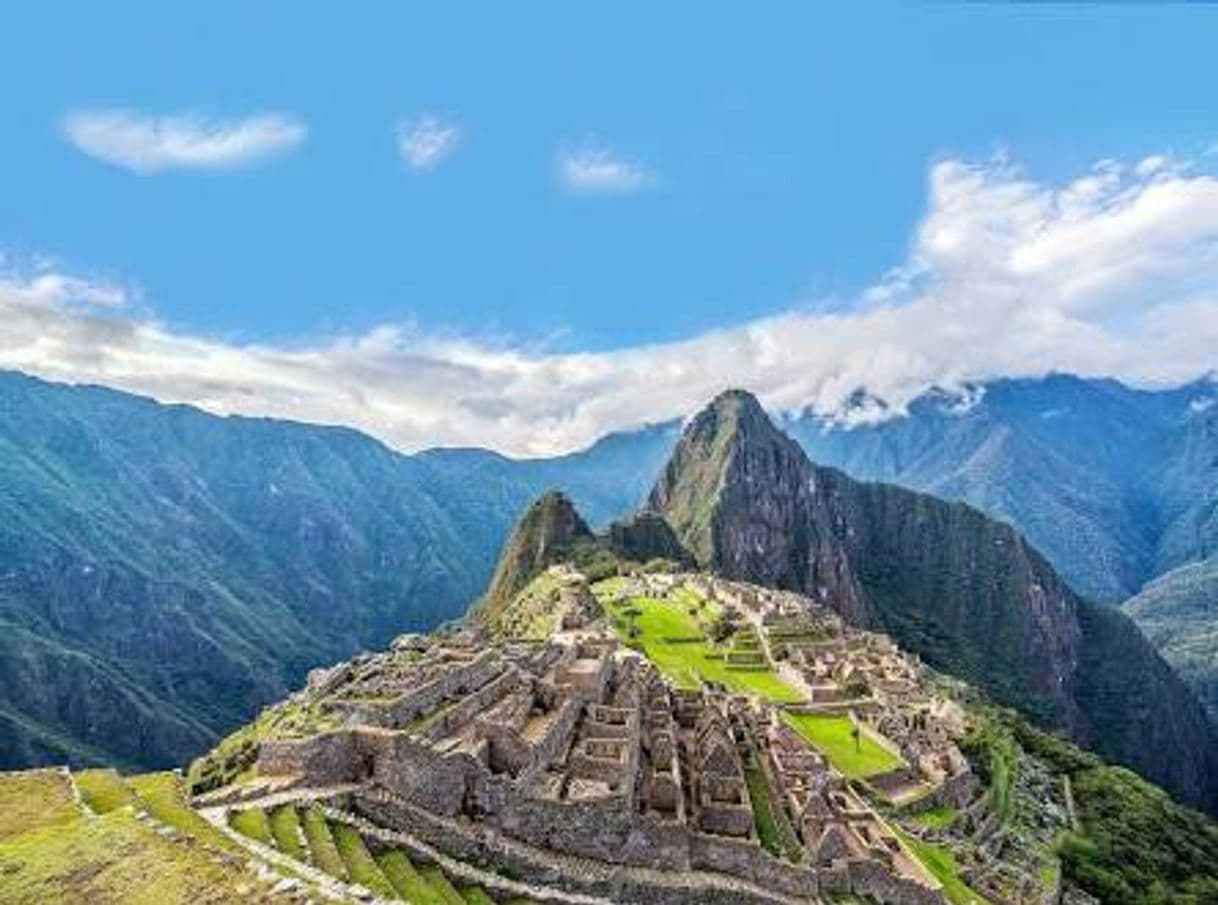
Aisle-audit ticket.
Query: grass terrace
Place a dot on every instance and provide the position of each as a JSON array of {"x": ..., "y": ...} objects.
[
  {"x": 51, "y": 851},
  {"x": 833, "y": 736},
  {"x": 940, "y": 862},
  {"x": 675, "y": 636},
  {"x": 937, "y": 818},
  {"x": 161, "y": 795},
  {"x": 34, "y": 799},
  {"x": 103, "y": 790}
]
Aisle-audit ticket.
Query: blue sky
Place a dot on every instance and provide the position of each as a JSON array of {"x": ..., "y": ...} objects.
[{"x": 762, "y": 160}]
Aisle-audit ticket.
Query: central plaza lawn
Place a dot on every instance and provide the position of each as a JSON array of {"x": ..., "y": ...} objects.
[
  {"x": 675, "y": 640},
  {"x": 832, "y": 736}
]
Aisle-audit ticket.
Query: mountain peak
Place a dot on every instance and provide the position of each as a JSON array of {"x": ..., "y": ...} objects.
[
  {"x": 729, "y": 446},
  {"x": 546, "y": 533},
  {"x": 734, "y": 408}
]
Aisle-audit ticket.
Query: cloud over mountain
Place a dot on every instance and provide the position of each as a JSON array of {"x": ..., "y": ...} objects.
[{"x": 1112, "y": 273}]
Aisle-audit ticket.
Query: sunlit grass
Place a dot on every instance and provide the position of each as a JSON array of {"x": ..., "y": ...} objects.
[
  {"x": 833, "y": 736},
  {"x": 673, "y": 636}
]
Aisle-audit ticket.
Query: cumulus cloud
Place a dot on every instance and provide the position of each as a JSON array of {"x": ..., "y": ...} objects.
[
  {"x": 596, "y": 169},
  {"x": 1114, "y": 273},
  {"x": 425, "y": 141},
  {"x": 149, "y": 144}
]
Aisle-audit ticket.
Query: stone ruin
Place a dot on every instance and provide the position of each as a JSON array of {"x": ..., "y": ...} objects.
[{"x": 517, "y": 755}]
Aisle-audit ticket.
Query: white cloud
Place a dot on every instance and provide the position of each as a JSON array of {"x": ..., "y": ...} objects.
[
  {"x": 149, "y": 144},
  {"x": 425, "y": 141},
  {"x": 594, "y": 168},
  {"x": 1114, "y": 273}
]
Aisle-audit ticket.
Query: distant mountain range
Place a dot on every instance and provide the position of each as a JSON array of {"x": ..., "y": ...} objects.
[
  {"x": 1114, "y": 485},
  {"x": 164, "y": 572},
  {"x": 1178, "y": 612}
]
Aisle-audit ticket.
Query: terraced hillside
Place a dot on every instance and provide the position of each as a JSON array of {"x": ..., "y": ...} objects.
[{"x": 98, "y": 837}]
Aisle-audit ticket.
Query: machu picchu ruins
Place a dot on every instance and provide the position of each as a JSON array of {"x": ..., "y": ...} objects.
[{"x": 559, "y": 752}]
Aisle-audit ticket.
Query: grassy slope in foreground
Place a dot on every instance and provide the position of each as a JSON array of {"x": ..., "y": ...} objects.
[{"x": 51, "y": 852}]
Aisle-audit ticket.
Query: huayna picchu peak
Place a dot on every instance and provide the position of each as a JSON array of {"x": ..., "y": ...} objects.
[{"x": 962, "y": 590}]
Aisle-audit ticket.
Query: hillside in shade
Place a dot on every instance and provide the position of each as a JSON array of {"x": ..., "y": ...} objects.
[
  {"x": 1178, "y": 612},
  {"x": 165, "y": 572}
]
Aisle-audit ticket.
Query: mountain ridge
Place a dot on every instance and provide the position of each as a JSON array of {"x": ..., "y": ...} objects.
[{"x": 964, "y": 591}]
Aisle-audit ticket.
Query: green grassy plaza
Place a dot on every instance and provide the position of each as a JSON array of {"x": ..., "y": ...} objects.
[
  {"x": 833, "y": 736},
  {"x": 673, "y": 634}
]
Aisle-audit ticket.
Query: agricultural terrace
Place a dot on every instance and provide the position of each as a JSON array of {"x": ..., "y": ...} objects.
[
  {"x": 677, "y": 634},
  {"x": 855, "y": 756}
]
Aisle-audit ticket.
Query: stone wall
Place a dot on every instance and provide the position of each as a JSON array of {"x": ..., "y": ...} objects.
[
  {"x": 474, "y": 703},
  {"x": 451, "y": 682},
  {"x": 322, "y": 760},
  {"x": 485, "y": 847},
  {"x": 413, "y": 771},
  {"x": 751, "y": 862},
  {"x": 555, "y": 739},
  {"x": 870, "y": 878}
]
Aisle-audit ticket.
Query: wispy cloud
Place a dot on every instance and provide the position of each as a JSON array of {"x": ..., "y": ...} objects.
[
  {"x": 149, "y": 144},
  {"x": 1114, "y": 273},
  {"x": 425, "y": 141},
  {"x": 594, "y": 168}
]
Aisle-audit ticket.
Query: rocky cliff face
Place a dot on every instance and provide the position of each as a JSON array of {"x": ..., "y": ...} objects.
[
  {"x": 645, "y": 536},
  {"x": 964, "y": 591}
]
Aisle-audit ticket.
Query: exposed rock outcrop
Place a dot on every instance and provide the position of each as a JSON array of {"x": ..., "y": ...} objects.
[{"x": 646, "y": 536}]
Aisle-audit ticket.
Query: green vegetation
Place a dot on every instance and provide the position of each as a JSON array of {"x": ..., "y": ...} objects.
[
  {"x": 406, "y": 880},
  {"x": 1135, "y": 844},
  {"x": 676, "y": 641},
  {"x": 992, "y": 749},
  {"x": 532, "y": 614},
  {"x": 833, "y": 736},
  {"x": 1138, "y": 844},
  {"x": 361, "y": 868},
  {"x": 547, "y": 533},
  {"x": 940, "y": 862},
  {"x": 773, "y": 828},
  {"x": 253, "y": 824},
  {"x": 160, "y": 794},
  {"x": 285, "y": 828},
  {"x": 103, "y": 790},
  {"x": 34, "y": 799},
  {"x": 938, "y": 818},
  {"x": 475, "y": 895},
  {"x": 324, "y": 854},
  {"x": 440, "y": 883},
  {"x": 51, "y": 852}
]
